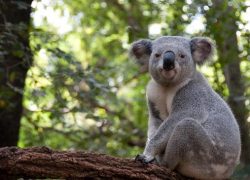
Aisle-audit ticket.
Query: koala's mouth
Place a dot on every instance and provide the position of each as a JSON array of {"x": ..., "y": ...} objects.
[{"x": 169, "y": 75}]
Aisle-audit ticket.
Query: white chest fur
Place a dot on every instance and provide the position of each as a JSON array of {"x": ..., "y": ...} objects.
[{"x": 162, "y": 97}]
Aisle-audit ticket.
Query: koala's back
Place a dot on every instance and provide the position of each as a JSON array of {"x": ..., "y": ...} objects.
[
  {"x": 214, "y": 113},
  {"x": 215, "y": 116}
]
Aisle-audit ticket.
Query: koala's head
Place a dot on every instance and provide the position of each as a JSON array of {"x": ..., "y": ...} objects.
[{"x": 171, "y": 59}]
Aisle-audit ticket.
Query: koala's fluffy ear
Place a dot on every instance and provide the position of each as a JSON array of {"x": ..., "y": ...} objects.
[
  {"x": 141, "y": 51},
  {"x": 202, "y": 49}
]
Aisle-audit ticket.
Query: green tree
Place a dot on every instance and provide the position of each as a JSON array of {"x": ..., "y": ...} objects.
[
  {"x": 87, "y": 81},
  {"x": 15, "y": 60},
  {"x": 222, "y": 21},
  {"x": 84, "y": 91}
]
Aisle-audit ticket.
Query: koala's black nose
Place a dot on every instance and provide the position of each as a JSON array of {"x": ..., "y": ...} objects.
[{"x": 168, "y": 60}]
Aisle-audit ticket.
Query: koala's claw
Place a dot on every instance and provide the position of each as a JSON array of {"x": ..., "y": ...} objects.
[
  {"x": 139, "y": 157},
  {"x": 143, "y": 159}
]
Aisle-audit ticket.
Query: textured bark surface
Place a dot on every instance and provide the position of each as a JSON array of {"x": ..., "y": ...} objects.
[{"x": 42, "y": 162}]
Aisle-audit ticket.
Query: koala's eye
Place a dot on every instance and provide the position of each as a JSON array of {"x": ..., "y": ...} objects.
[
  {"x": 157, "y": 55},
  {"x": 182, "y": 56}
]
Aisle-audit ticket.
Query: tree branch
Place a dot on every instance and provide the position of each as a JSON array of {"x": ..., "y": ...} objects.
[{"x": 42, "y": 162}]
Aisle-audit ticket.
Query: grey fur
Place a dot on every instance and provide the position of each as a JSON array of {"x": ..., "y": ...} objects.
[{"x": 192, "y": 130}]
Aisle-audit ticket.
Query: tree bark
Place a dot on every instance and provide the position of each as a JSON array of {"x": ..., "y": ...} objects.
[
  {"x": 221, "y": 23},
  {"x": 15, "y": 60},
  {"x": 42, "y": 162}
]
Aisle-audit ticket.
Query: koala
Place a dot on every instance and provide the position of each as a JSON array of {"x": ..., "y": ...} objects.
[{"x": 191, "y": 129}]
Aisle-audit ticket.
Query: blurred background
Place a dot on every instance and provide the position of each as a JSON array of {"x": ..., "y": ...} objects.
[{"x": 66, "y": 80}]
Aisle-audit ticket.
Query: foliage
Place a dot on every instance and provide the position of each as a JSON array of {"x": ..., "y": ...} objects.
[{"x": 85, "y": 99}]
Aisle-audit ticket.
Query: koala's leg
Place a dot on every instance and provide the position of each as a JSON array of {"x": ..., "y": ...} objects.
[
  {"x": 187, "y": 137},
  {"x": 153, "y": 125}
]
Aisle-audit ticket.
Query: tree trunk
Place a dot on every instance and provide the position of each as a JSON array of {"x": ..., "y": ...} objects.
[
  {"x": 15, "y": 60},
  {"x": 221, "y": 23},
  {"x": 42, "y": 162}
]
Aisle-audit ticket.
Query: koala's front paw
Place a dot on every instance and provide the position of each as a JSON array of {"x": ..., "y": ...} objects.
[{"x": 144, "y": 159}]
